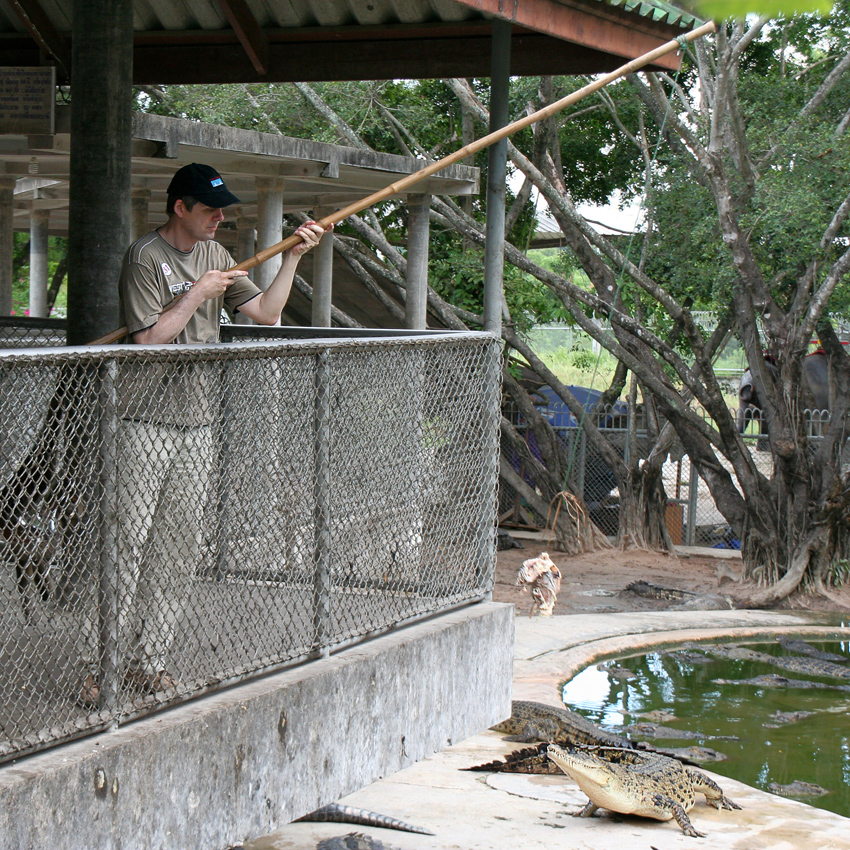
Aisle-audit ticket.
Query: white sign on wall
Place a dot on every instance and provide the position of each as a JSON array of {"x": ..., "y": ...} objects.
[{"x": 27, "y": 100}]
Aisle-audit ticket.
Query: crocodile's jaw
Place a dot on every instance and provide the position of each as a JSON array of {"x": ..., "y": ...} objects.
[{"x": 596, "y": 778}]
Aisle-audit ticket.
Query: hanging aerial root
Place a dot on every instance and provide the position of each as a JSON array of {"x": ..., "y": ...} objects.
[{"x": 573, "y": 532}]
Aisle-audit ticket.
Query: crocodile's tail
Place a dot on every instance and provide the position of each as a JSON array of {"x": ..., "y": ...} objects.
[{"x": 337, "y": 813}]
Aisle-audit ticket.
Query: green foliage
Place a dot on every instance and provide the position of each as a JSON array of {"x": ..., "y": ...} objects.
[
  {"x": 579, "y": 367},
  {"x": 584, "y": 361},
  {"x": 596, "y": 158},
  {"x": 721, "y": 10},
  {"x": 838, "y": 573},
  {"x": 801, "y": 175},
  {"x": 456, "y": 272},
  {"x": 21, "y": 272}
]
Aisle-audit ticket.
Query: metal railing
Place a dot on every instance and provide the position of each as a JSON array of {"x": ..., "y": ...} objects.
[
  {"x": 27, "y": 332},
  {"x": 178, "y": 518}
]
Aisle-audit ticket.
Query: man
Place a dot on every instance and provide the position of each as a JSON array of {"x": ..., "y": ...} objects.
[
  {"x": 181, "y": 258},
  {"x": 164, "y": 444}
]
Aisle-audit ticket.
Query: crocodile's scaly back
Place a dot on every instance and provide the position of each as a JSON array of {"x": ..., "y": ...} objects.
[
  {"x": 534, "y": 721},
  {"x": 526, "y": 760}
]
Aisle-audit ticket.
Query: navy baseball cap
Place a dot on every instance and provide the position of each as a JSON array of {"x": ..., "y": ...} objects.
[{"x": 203, "y": 183}]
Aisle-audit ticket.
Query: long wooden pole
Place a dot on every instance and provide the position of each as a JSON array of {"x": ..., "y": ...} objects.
[{"x": 468, "y": 150}]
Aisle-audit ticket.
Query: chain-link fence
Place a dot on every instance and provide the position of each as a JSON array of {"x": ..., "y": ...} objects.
[
  {"x": 26, "y": 332},
  {"x": 173, "y": 519},
  {"x": 692, "y": 516},
  {"x": 588, "y": 474}
]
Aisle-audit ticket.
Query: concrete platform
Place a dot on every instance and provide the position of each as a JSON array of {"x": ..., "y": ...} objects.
[
  {"x": 478, "y": 811},
  {"x": 206, "y": 774}
]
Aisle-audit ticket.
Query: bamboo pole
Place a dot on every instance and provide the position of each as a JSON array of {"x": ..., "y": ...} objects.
[{"x": 405, "y": 183}]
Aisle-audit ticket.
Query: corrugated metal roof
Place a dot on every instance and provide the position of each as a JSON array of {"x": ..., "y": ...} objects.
[
  {"x": 188, "y": 15},
  {"x": 657, "y": 10}
]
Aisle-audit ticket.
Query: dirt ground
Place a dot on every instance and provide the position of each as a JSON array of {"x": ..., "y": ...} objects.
[{"x": 597, "y": 581}]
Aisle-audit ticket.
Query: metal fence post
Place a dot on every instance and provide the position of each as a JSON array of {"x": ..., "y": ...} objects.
[
  {"x": 490, "y": 511},
  {"x": 693, "y": 497},
  {"x": 581, "y": 465},
  {"x": 222, "y": 472},
  {"x": 322, "y": 504},
  {"x": 108, "y": 517}
]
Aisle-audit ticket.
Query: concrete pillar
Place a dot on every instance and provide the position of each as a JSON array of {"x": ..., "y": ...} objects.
[
  {"x": 418, "y": 231},
  {"x": 494, "y": 256},
  {"x": 39, "y": 221},
  {"x": 246, "y": 239},
  {"x": 269, "y": 227},
  {"x": 140, "y": 204},
  {"x": 101, "y": 131},
  {"x": 7, "y": 197},
  {"x": 323, "y": 263},
  {"x": 246, "y": 247}
]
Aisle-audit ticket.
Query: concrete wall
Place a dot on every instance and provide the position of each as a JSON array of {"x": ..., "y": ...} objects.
[{"x": 222, "y": 769}]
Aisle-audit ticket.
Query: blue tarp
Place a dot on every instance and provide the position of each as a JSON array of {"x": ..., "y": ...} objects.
[{"x": 558, "y": 413}]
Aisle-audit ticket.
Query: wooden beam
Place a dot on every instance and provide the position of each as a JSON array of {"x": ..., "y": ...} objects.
[
  {"x": 41, "y": 28},
  {"x": 594, "y": 25},
  {"x": 316, "y": 54},
  {"x": 251, "y": 37},
  {"x": 532, "y": 54}
]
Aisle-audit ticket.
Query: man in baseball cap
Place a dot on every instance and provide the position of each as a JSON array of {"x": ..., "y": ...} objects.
[{"x": 174, "y": 283}]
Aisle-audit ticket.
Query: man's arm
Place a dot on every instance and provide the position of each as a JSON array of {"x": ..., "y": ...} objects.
[
  {"x": 267, "y": 307},
  {"x": 172, "y": 321}
]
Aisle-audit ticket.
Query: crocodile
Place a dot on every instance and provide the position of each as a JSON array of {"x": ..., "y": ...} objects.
[
  {"x": 337, "y": 813},
  {"x": 535, "y": 721},
  {"x": 685, "y": 599},
  {"x": 354, "y": 841},
  {"x": 635, "y": 783},
  {"x": 774, "y": 680},
  {"x": 796, "y": 664},
  {"x": 797, "y": 789},
  {"x": 654, "y": 730},
  {"x": 804, "y": 648}
]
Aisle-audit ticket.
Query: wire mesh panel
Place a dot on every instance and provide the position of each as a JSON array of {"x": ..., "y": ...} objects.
[
  {"x": 176, "y": 518},
  {"x": 692, "y": 517},
  {"x": 29, "y": 332},
  {"x": 588, "y": 473}
]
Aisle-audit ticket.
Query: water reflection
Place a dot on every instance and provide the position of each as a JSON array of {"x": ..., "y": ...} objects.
[{"x": 775, "y": 740}]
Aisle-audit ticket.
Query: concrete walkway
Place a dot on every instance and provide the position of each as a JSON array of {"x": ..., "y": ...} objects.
[{"x": 480, "y": 811}]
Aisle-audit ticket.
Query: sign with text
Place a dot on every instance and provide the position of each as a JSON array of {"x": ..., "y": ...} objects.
[{"x": 27, "y": 100}]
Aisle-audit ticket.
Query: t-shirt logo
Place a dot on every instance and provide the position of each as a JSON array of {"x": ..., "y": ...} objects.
[
  {"x": 217, "y": 181},
  {"x": 166, "y": 269},
  {"x": 180, "y": 288}
]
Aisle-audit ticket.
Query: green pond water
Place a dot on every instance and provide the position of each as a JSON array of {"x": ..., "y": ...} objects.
[{"x": 738, "y": 720}]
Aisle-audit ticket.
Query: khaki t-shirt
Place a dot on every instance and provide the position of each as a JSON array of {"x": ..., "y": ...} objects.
[
  {"x": 154, "y": 273},
  {"x": 179, "y": 391}
]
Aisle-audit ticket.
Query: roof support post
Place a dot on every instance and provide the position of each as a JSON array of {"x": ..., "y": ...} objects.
[
  {"x": 140, "y": 203},
  {"x": 7, "y": 214},
  {"x": 494, "y": 254},
  {"x": 418, "y": 231},
  {"x": 39, "y": 224},
  {"x": 101, "y": 133},
  {"x": 323, "y": 264},
  {"x": 269, "y": 227},
  {"x": 246, "y": 246}
]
